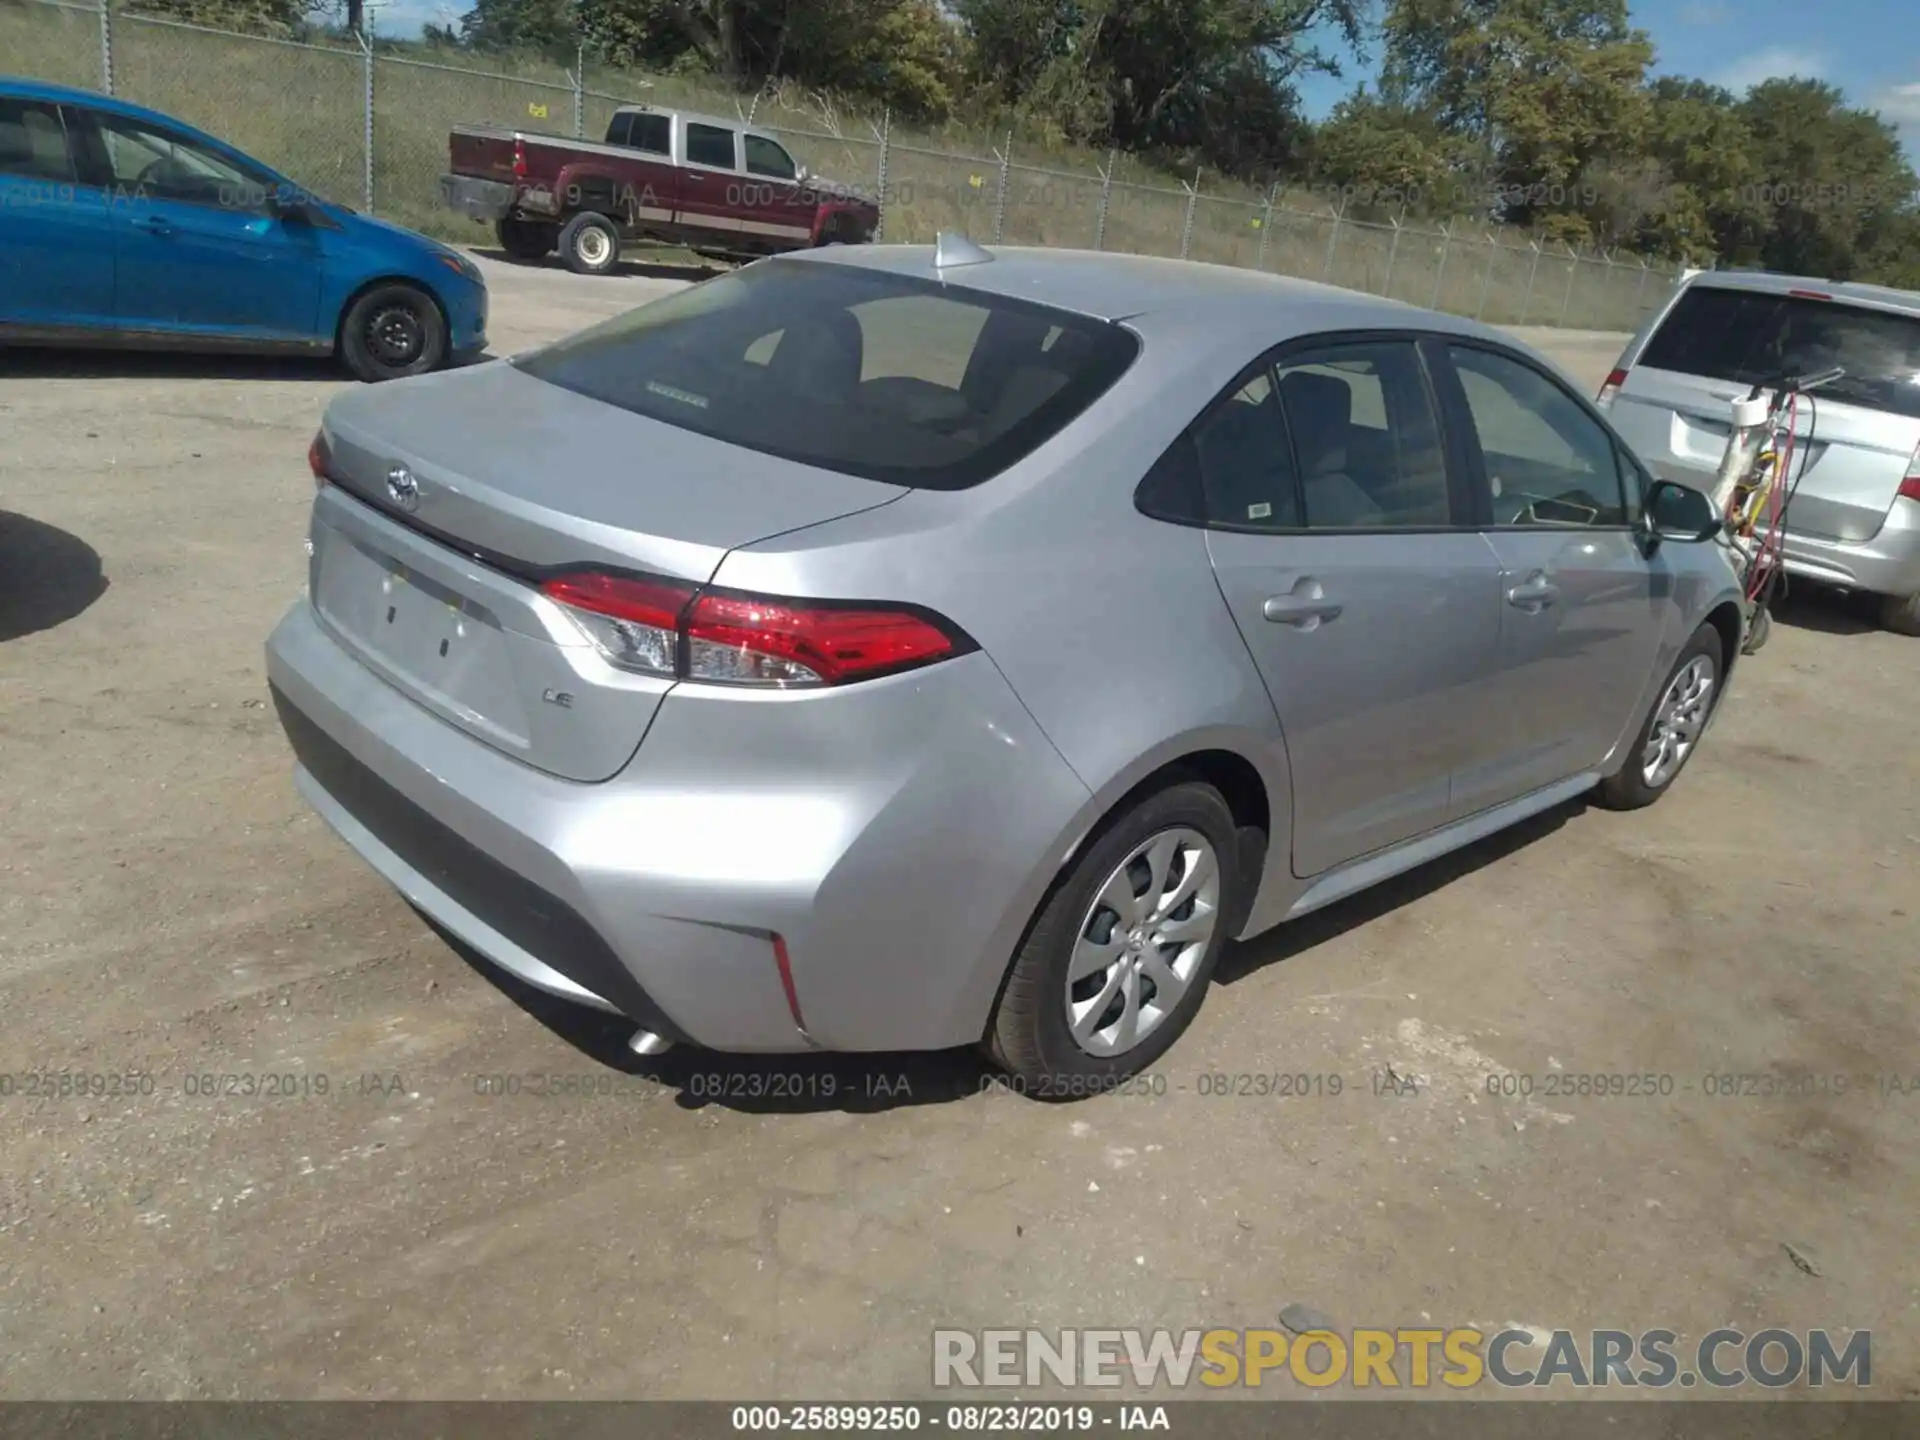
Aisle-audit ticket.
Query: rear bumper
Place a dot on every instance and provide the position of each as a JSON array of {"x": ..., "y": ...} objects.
[
  {"x": 1888, "y": 564},
  {"x": 897, "y": 837},
  {"x": 484, "y": 200}
]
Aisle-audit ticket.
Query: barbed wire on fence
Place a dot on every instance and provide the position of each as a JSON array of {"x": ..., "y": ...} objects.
[{"x": 345, "y": 116}]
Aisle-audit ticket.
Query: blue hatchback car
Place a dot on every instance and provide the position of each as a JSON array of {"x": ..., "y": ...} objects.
[{"x": 119, "y": 226}]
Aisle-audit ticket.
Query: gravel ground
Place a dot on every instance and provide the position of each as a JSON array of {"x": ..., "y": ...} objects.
[{"x": 168, "y": 908}]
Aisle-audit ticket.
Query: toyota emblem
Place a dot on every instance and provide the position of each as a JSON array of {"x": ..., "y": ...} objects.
[{"x": 404, "y": 489}]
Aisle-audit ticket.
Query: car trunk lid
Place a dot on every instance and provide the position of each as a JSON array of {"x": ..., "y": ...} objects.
[
  {"x": 1847, "y": 464},
  {"x": 455, "y": 494}
]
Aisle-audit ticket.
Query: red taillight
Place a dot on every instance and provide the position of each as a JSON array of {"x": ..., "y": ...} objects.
[
  {"x": 319, "y": 458},
  {"x": 733, "y": 639},
  {"x": 519, "y": 158},
  {"x": 1910, "y": 487},
  {"x": 635, "y": 622},
  {"x": 1612, "y": 388},
  {"x": 644, "y": 602},
  {"x": 750, "y": 640}
]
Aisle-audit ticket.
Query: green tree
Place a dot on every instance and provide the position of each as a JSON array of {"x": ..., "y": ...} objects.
[
  {"x": 551, "y": 27},
  {"x": 1838, "y": 191},
  {"x": 1538, "y": 90},
  {"x": 256, "y": 17},
  {"x": 1385, "y": 156},
  {"x": 904, "y": 53},
  {"x": 1203, "y": 78}
]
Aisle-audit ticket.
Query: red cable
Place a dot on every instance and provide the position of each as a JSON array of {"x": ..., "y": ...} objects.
[{"x": 1770, "y": 551}]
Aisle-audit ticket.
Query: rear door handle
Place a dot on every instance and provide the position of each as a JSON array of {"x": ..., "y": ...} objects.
[
  {"x": 1303, "y": 607},
  {"x": 1534, "y": 593},
  {"x": 154, "y": 225}
]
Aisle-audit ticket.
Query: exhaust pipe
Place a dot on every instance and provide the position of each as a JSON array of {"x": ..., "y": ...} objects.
[{"x": 646, "y": 1043}]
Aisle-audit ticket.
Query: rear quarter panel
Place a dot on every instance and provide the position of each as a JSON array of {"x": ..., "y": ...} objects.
[
  {"x": 1108, "y": 625},
  {"x": 638, "y": 189}
]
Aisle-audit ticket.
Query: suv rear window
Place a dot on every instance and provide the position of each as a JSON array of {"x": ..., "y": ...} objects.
[
  {"x": 1748, "y": 337},
  {"x": 887, "y": 377}
]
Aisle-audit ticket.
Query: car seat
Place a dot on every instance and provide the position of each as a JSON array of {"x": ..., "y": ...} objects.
[
  {"x": 820, "y": 362},
  {"x": 1320, "y": 414}
]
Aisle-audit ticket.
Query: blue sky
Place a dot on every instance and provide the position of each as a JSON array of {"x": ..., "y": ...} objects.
[{"x": 1869, "y": 48}]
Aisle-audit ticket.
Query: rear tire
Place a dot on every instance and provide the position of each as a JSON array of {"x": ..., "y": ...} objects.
[
  {"x": 391, "y": 332},
  {"x": 1900, "y": 614},
  {"x": 525, "y": 239},
  {"x": 1671, "y": 732},
  {"x": 1109, "y": 975},
  {"x": 590, "y": 244}
]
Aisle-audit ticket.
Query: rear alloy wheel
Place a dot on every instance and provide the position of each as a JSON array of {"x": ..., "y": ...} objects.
[
  {"x": 1673, "y": 728},
  {"x": 525, "y": 239},
  {"x": 1119, "y": 958},
  {"x": 590, "y": 244},
  {"x": 1900, "y": 614},
  {"x": 391, "y": 332}
]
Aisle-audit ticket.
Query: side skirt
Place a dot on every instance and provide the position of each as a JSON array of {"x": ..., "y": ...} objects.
[{"x": 1370, "y": 870}]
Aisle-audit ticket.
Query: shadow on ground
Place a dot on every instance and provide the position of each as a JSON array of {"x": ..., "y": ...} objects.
[
  {"x": 1830, "y": 612},
  {"x": 1286, "y": 941},
  {"x": 801, "y": 1083},
  {"x": 59, "y": 362},
  {"x": 47, "y": 576},
  {"x": 671, "y": 266}
]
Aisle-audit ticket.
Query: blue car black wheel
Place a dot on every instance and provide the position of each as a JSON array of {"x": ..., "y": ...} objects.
[{"x": 393, "y": 331}]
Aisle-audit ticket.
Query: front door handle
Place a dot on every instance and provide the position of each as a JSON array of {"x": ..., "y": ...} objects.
[
  {"x": 1534, "y": 593},
  {"x": 1303, "y": 607}
]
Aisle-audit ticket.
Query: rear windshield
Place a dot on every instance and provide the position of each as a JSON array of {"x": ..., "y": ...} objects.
[
  {"x": 1748, "y": 337},
  {"x": 882, "y": 376}
]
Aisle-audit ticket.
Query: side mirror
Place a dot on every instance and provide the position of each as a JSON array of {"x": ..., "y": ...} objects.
[{"x": 1679, "y": 512}]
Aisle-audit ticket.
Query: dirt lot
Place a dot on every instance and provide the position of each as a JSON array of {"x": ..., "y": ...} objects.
[{"x": 168, "y": 908}]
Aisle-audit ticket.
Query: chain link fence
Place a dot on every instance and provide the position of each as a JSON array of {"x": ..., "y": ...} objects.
[{"x": 367, "y": 126}]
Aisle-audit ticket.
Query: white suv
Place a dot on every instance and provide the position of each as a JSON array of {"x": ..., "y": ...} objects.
[{"x": 1854, "y": 514}]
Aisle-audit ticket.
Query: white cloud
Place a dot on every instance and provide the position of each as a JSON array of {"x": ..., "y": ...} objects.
[
  {"x": 1899, "y": 105},
  {"x": 1705, "y": 12},
  {"x": 1776, "y": 62}
]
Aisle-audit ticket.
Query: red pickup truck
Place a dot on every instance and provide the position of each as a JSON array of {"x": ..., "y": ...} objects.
[{"x": 723, "y": 189}]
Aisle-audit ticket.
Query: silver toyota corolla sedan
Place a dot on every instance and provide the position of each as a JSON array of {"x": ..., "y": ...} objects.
[{"x": 907, "y": 647}]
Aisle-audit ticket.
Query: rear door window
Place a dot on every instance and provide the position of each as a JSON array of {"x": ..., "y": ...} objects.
[
  {"x": 887, "y": 377},
  {"x": 711, "y": 146},
  {"x": 1748, "y": 338},
  {"x": 33, "y": 142},
  {"x": 1245, "y": 462},
  {"x": 1365, "y": 437}
]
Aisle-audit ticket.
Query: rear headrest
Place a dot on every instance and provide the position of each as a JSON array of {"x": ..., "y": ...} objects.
[
  {"x": 822, "y": 360},
  {"x": 1008, "y": 340},
  {"x": 1319, "y": 411}
]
